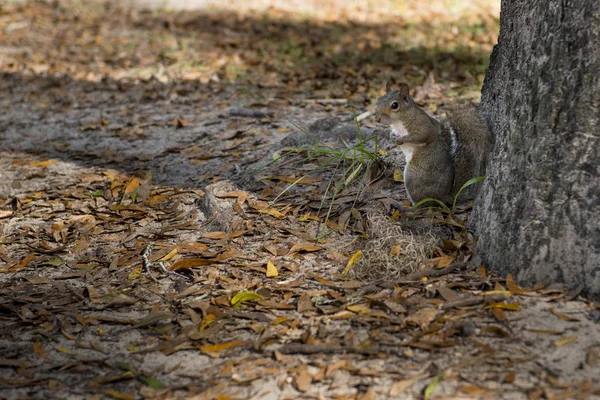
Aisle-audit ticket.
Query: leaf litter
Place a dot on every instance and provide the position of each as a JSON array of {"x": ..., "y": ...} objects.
[{"x": 252, "y": 288}]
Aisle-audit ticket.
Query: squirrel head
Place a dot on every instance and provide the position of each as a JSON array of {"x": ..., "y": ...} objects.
[{"x": 393, "y": 105}]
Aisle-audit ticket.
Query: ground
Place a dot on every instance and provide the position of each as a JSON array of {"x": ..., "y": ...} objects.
[{"x": 143, "y": 136}]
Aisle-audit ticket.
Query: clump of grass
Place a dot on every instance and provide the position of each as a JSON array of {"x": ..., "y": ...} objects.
[
  {"x": 391, "y": 251},
  {"x": 344, "y": 167}
]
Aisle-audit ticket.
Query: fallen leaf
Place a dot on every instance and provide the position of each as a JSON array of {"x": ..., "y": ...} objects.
[
  {"x": 271, "y": 270},
  {"x": 40, "y": 351},
  {"x": 152, "y": 318},
  {"x": 305, "y": 303},
  {"x": 505, "y": 306},
  {"x": 133, "y": 184},
  {"x": 423, "y": 317},
  {"x": 565, "y": 340},
  {"x": 215, "y": 235},
  {"x": 214, "y": 349},
  {"x": 402, "y": 386},
  {"x": 512, "y": 286},
  {"x": 353, "y": 260},
  {"x": 66, "y": 351},
  {"x": 37, "y": 280},
  {"x": 42, "y": 164},
  {"x": 447, "y": 294},
  {"x": 359, "y": 309},
  {"x": 170, "y": 255},
  {"x": 5, "y": 213},
  {"x": 545, "y": 331},
  {"x": 304, "y": 247},
  {"x": 23, "y": 263},
  {"x": 191, "y": 248},
  {"x": 118, "y": 395},
  {"x": 272, "y": 212},
  {"x": 242, "y": 297},
  {"x": 445, "y": 261},
  {"x": 302, "y": 381},
  {"x": 191, "y": 263},
  {"x": 398, "y": 175},
  {"x": 136, "y": 272},
  {"x": 562, "y": 316}
]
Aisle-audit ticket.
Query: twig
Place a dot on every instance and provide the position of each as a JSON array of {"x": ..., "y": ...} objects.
[
  {"x": 364, "y": 115},
  {"x": 473, "y": 301},
  {"x": 325, "y": 101},
  {"x": 431, "y": 273},
  {"x": 300, "y": 348},
  {"x": 434, "y": 273},
  {"x": 249, "y": 113}
]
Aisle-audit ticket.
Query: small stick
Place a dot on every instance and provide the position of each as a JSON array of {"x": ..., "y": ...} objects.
[
  {"x": 432, "y": 273},
  {"x": 364, "y": 115},
  {"x": 473, "y": 301},
  {"x": 300, "y": 348},
  {"x": 326, "y": 101}
]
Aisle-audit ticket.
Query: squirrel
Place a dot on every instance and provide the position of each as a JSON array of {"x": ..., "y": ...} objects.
[{"x": 441, "y": 154}]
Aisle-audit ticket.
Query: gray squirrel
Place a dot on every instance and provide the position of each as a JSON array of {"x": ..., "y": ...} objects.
[{"x": 441, "y": 155}]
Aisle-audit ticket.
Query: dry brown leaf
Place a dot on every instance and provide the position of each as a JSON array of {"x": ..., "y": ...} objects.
[
  {"x": 23, "y": 263},
  {"x": 499, "y": 314},
  {"x": 302, "y": 381},
  {"x": 562, "y": 316},
  {"x": 133, "y": 184},
  {"x": 565, "y": 340},
  {"x": 423, "y": 317},
  {"x": 495, "y": 330},
  {"x": 272, "y": 212},
  {"x": 447, "y": 294},
  {"x": 191, "y": 263},
  {"x": 359, "y": 309},
  {"x": 214, "y": 349},
  {"x": 512, "y": 286},
  {"x": 304, "y": 247},
  {"x": 118, "y": 395},
  {"x": 402, "y": 386},
  {"x": 40, "y": 351},
  {"x": 5, "y": 213},
  {"x": 191, "y": 248},
  {"x": 331, "y": 368},
  {"x": 215, "y": 235},
  {"x": 305, "y": 303},
  {"x": 37, "y": 280},
  {"x": 42, "y": 164}
]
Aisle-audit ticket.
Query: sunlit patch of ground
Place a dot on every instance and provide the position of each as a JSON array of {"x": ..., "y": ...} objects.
[{"x": 344, "y": 49}]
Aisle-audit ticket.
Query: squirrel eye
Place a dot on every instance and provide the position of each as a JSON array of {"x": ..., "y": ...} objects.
[{"x": 394, "y": 105}]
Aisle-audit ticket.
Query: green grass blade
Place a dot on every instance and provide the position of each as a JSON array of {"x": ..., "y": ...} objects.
[
  {"x": 468, "y": 183},
  {"x": 428, "y": 199}
]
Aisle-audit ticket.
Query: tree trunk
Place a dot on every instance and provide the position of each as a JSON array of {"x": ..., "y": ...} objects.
[{"x": 538, "y": 213}]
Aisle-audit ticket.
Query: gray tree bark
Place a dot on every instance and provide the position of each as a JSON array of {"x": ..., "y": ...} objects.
[{"x": 538, "y": 213}]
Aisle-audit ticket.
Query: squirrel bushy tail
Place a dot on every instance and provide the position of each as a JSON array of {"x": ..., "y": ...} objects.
[{"x": 471, "y": 146}]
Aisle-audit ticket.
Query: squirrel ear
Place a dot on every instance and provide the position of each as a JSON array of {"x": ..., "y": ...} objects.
[
  {"x": 388, "y": 86},
  {"x": 404, "y": 90}
]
